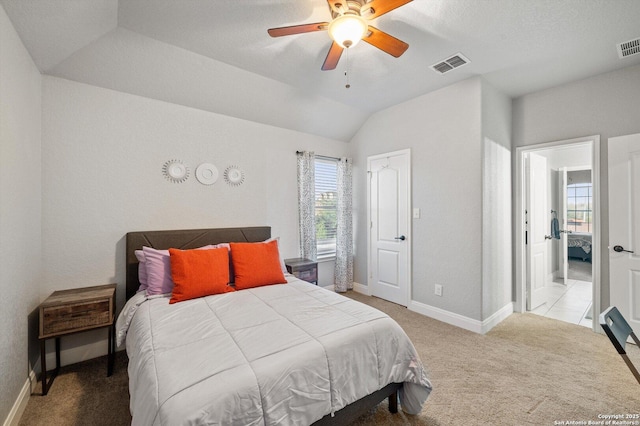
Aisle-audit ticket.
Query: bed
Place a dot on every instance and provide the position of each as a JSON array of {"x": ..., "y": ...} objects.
[
  {"x": 291, "y": 353},
  {"x": 579, "y": 245}
]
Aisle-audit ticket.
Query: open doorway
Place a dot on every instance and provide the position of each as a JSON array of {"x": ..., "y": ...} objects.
[{"x": 558, "y": 229}]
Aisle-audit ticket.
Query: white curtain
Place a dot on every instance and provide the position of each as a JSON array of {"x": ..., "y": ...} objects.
[
  {"x": 307, "y": 204},
  {"x": 343, "y": 272}
]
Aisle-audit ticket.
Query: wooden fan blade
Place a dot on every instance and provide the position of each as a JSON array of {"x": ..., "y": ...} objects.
[
  {"x": 386, "y": 42},
  {"x": 297, "y": 29},
  {"x": 380, "y": 7},
  {"x": 331, "y": 61}
]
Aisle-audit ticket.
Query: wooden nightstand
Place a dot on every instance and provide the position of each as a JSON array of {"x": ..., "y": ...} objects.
[
  {"x": 303, "y": 269},
  {"x": 72, "y": 311}
]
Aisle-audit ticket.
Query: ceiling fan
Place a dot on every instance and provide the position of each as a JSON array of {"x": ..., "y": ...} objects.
[{"x": 349, "y": 25}]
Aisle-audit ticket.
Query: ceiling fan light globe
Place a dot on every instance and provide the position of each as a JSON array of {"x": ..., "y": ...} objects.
[{"x": 347, "y": 30}]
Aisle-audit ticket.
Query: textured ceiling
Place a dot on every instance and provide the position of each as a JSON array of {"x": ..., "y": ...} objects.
[{"x": 217, "y": 55}]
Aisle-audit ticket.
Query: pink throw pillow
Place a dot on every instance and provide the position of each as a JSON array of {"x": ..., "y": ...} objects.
[
  {"x": 158, "y": 269},
  {"x": 142, "y": 270}
]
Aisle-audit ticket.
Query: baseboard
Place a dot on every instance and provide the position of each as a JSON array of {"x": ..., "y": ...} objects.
[
  {"x": 495, "y": 319},
  {"x": 21, "y": 402},
  {"x": 357, "y": 287},
  {"x": 476, "y": 326},
  {"x": 361, "y": 288},
  {"x": 446, "y": 316}
]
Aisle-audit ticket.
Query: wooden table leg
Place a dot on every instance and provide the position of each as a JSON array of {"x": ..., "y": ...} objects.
[
  {"x": 111, "y": 349},
  {"x": 393, "y": 402},
  {"x": 57, "y": 354},
  {"x": 43, "y": 365},
  {"x": 46, "y": 385}
]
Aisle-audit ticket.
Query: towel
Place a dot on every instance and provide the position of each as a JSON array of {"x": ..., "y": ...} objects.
[{"x": 555, "y": 228}]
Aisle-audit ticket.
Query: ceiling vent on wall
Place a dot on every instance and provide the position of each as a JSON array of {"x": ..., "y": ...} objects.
[
  {"x": 455, "y": 61},
  {"x": 628, "y": 48}
]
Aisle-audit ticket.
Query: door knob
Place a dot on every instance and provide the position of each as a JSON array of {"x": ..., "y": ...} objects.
[
  {"x": 620, "y": 249},
  {"x": 401, "y": 238}
]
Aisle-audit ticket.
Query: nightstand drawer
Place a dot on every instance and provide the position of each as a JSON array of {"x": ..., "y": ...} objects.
[
  {"x": 303, "y": 269},
  {"x": 58, "y": 319},
  {"x": 310, "y": 275}
]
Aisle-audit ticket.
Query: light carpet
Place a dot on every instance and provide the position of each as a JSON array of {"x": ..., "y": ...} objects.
[{"x": 528, "y": 370}]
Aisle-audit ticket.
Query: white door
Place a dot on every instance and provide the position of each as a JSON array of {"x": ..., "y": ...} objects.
[
  {"x": 562, "y": 218},
  {"x": 624, "y": 227},
  {"x": 390, "y": 233},
  {"x": 538, "y": 228}
]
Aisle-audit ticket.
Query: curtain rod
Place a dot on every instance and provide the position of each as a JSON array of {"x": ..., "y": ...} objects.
[{"x": 322, "y": 157}]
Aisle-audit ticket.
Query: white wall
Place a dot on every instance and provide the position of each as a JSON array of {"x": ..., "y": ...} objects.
[
  {"x": 20, "y": 218},
  {"x": 129, "y": 62},
  {"x": 104, "y": 152},
  {"x": 607, "y": 105},
  {"x": 496, "y": 201},
  {"x": 460, "y": 141},
  {"x": 443, "y": 131},
  {"x": 578, "y": 176}
]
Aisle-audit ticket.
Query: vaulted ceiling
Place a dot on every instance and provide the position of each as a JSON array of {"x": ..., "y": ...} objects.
[{"x": 216, "y": 55}]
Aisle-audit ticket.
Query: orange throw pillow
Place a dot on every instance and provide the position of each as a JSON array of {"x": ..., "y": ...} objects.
[
  {"x": 199, "y": 273},
  {"x": 256, "y": 264}
]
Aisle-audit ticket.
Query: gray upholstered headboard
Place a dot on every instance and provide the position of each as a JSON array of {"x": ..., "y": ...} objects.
[{"x": 184, "y": 239}]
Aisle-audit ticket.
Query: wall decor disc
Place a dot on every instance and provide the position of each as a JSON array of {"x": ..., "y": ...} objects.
[
  {"x": 175, "y": 171},
  {"x": 234, "y": 176},
  {"x": 207, "y": 173}
]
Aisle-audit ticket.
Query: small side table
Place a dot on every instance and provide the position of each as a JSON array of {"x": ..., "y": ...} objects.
[
  {"x": 72, "y": 311},
  {"x": 303, "y": 269}
]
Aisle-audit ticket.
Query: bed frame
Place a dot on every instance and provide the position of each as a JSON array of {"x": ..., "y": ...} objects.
[{"x": 194, "y": 238}]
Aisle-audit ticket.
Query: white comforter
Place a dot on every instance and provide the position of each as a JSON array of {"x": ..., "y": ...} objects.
[{"x": 276, "y": 355}]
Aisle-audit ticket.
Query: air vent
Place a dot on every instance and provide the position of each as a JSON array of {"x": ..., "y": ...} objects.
[
  {"x": 631, "y": 47},
  {"x": 451, "y": 63}
]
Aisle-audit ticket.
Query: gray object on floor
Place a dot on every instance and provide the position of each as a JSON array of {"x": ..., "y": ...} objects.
[{"x": 618, "y": 330}]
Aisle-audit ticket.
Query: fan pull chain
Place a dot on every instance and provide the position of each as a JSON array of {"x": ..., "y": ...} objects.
[{"x": 346, "y": 73}]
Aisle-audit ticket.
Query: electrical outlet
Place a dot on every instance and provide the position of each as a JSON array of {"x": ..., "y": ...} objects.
[{"x": 438, "y": 290}]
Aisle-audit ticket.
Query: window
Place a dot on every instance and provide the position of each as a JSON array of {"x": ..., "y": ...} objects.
[
  {"x": 326, "y": 171},
  {"x": 579, "y": 207}
]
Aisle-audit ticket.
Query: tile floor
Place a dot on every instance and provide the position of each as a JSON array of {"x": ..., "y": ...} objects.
[{"x": 570, "y": 303}]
